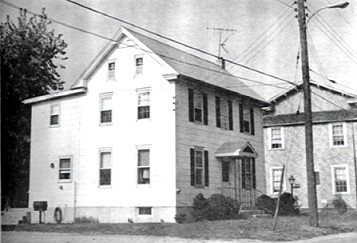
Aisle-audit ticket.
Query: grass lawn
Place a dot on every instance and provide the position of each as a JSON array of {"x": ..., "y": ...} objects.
[{"x": 288, "y": 228}]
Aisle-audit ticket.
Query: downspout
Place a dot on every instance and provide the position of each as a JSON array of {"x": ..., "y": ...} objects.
[{"x": 354, "y": 158}]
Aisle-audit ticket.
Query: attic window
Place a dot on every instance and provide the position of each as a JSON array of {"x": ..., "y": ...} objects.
[
  {"x": 139, "y": 61},
  {"x": 111, "y": 70}
]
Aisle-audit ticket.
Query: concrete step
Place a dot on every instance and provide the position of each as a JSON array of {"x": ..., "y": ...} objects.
[{"x": 14, "y": 215}]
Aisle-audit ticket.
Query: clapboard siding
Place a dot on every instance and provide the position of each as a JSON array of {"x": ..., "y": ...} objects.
[{"x": 210, "y": 138}]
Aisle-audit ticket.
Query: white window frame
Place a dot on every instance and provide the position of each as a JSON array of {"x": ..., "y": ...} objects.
[
  {"x": 138, "y": 92},
  {"x": 272, "y": 180},
  {"x": 140, "y": 148},
  {"x": 111, "y": 73},
  {"x": 102, "y": 151},
  {"x": 55, "y": 114},
  {"x": 344, "y": 127},
  {"x": 347, "y": 172},
  {"x": 270, "y": 138},
  {"x": 101, "y": 97},
  {"x": 224, "y": 116},
  {"x": 201, "y": 168},
  {"x": 139, "y": 70},
  {"x": 66, "y": 170}
]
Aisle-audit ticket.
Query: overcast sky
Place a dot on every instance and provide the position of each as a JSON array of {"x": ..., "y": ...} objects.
[{"x": 266, "y": 35}]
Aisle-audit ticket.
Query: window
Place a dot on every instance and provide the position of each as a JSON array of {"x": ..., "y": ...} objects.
[
  {"x": 248, "y": 173},
  {"x": 198, "y": 109},
  {"x": 105, "y": 166},
  {"x": 139, "y": 61},
  {"x": 340, "y": 179},
  {"x": 144, "y": 105},
  {"x": 111, "y": 70},
  {"x": 246, "y": 119},
  {"x": 338, "y": 135},
  {"x": 224, "y": 113},
  {"x": 276, "y": 138},
  {"x": 144, "y": 166},
  {"x": 106, "y": 109},
  {"x": 275, "y": 179},
  {"x": 65, "y": 169},
  {"x": 199, "y": 167},
  {"x": 145, "y": 210},
  {"x": 54, "y": 117},
  {"x": 225, "y": 171}
]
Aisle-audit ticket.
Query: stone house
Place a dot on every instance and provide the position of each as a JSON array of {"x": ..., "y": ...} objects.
[{"x": 334, "y": 133}]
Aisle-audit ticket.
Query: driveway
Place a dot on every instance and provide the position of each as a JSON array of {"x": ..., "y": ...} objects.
[{"x": 38, "y": 237}]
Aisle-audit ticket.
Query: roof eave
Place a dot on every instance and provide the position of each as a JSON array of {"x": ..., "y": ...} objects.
[{"x": 55, "y": 95}]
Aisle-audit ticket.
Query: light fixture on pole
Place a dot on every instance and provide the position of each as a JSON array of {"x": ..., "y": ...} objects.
[
  {"x": 337, "y": 5},
  {"x": 292, "y": 181}
]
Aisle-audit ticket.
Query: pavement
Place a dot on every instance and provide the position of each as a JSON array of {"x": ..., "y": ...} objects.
[{"x": 39, "y": 237}]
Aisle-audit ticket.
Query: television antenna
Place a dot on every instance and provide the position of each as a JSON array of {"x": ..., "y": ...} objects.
[{"x": 221, "y": 44}]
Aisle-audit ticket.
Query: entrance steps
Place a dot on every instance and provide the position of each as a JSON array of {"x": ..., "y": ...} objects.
[{"x": 14, "y": 216}]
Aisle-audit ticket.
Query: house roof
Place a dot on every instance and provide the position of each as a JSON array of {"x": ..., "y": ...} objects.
[
  {"x": 331, "y": 87},
  {"x": 236, "y": 149},
  {"x": 317, "y": 117},
  {"x": 177, "y": 63},
  {"x": 192, "y": 66}
]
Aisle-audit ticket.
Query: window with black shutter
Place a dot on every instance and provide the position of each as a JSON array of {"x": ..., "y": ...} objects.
[
  {"x": 246, "y": 119},
  {"x": 197, "y": 107},
  {"x": 199, "y": 167}
]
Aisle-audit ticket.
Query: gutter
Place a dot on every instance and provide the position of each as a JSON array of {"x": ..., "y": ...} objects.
[{"x": 55, "y": 95}]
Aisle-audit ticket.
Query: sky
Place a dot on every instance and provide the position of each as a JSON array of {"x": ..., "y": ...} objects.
[{"x": 264, "y": 34}]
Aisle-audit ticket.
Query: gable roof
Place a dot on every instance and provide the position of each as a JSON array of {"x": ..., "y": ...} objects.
[
  {"x": 236, "y": 149},
  {"x": 181, "y": 62},
  {"x": 331, "y": 87}
]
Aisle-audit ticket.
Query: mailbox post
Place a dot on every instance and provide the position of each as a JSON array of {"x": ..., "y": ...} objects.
[{"x": 40, "y": 206}]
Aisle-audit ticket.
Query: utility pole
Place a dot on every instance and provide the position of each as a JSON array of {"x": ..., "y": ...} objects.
[{"x": 311, "y": 183}]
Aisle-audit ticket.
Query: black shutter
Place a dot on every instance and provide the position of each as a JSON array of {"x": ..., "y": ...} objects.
[
  {"x": 241, "y": 122},
  {"x": 252, "y": 130},
  {"x": 230, "y": 114},
  {"x": 243, "y": 173},
  {"x": 190, "y": 105},
  {"x": 205, "y": 109},
  {"x": 218, "y": 112},
  {"x": 206, "y": 168},
  {"x": 253, "y": 174},
  {"x": 192, "y": 157}
]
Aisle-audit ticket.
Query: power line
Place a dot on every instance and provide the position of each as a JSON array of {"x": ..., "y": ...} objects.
[
  {"x": 175, "y": 41},
  {"x": 267, "y": 44},
  {"x": 165, "y": 56},
  {"x": 266, "y": 31},
  {"x": 290, "y": 6}
]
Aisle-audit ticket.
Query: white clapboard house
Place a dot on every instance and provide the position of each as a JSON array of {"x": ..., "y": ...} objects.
[{"x": 145, "y": 129}]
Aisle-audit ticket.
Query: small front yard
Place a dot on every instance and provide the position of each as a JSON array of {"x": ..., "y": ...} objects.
[{"x": 288, "y": 228}]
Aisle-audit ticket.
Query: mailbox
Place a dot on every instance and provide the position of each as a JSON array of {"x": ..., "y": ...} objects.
[{"x": 40, "y": 205}]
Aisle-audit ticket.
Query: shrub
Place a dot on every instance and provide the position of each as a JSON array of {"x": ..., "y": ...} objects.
[
  {"x": 180, "y": 218},
  {"x": 287, "y": 206},
  {"x": 340, "y": 205},
  {"x": 266, "y": 203},
  {"x": 86, "y": 220},
  {"x": 200, "y": 208},
  {"x": 216, "y": 207}
]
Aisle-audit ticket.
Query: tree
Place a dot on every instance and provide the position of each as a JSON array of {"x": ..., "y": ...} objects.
[{"x": 30, "y": 54}]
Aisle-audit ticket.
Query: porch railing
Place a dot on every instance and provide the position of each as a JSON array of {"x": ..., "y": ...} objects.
[{"x": 242, "y": 195}]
